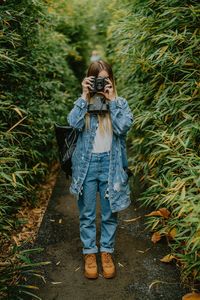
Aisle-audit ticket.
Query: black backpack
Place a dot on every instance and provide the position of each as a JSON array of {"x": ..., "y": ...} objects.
[{"x": 66, "y": 137}]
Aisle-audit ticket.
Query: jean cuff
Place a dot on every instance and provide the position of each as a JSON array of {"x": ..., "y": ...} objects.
[
  {"x": 109, "y": 250},
  {"x": 90, "y": 250}
]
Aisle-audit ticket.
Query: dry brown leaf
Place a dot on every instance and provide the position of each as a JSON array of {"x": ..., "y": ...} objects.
[
  {"x": 165, "y": 212},
  {"x": 155, "y": 237},
  {"x": 143, "y": 251},
  {"x": 36, "y": 210},
  {"x": 172, "y": 233},
  {"x": 154, "y": 282},
  {"x": 132, "y": 220},
  {"x": 191, "y": 296},
  {"x": 154, "y": 213},
  {"x": 16, "y": 240},
  {"x": 162, "y": 212},
  {"x": 167, "y": 258},
  {"x": 120, "y": 265}
]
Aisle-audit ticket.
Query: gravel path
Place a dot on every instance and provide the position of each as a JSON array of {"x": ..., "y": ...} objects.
[{"x": 140, "y": 274}]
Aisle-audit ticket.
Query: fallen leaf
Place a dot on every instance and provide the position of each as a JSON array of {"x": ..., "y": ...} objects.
[
  {"x": 132, "y": 220},
  {"x": 162, "y": 212},
  {"x": 191, "y": 296},
  {"x": 143, "y": 251},
  {"x": 58, "y": 263},
  {"x": 167, "y": 258},
  {"x": 60, "y": 221},
  {"x": 56, "y": 282},
  {"x": 77, "y": 269},
  {"x": 155, "y": 237},
  {"x": 36, "y": 210},
  {"x": 172, "y": 233},
  {"x": 154, "y": 213},
  {"x": 154, "y": 282},
  {"x": 16, "y": 240},
  {"x": 120, "y": 265},
  {"x": 32, "y": 287},
  {"x": 165, "y": 212}
]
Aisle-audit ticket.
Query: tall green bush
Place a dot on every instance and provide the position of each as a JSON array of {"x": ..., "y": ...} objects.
[
  {"x": 154, "y": 47},
  {"x": 38, "y": 87},
  {"x": 36, "y": 84}
]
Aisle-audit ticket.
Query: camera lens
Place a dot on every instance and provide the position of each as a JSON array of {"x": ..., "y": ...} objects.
[{"x": 100, "y": 84}]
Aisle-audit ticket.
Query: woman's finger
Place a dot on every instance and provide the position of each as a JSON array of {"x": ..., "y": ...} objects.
[
  {"x": 108, "y": 80},
  {"x": 87, "y": 79},
  {"x": 91, "y": 78},
  {"x": 86, "y": 86},
  {"x": 86, "y": 82},
  {"x": 108, "y": 86}
]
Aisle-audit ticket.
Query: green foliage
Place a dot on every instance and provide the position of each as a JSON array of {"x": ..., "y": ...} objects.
[
  {"x": 17, "y": 265},
  {"x": 38, "y": 87},
  {"x": 73, "y": 19},
  {"x": 36, "y": 84},
  {"x": 155, "y": 52}
]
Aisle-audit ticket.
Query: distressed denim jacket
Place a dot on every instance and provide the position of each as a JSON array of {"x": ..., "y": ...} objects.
[{"x": 118, "y": 190}]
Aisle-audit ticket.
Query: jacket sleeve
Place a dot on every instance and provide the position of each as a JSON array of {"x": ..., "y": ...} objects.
[
  {"x": 121, "y": 115},
  {"x": 75, "y": 117}
]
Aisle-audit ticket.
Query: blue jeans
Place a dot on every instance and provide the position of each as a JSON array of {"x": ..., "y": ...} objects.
[{"x": 96, "y": 180}]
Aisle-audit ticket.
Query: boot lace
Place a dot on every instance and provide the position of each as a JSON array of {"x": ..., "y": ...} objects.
[
  {"x": 107, "y": 257},
  {"x": 90, "y": 258}
]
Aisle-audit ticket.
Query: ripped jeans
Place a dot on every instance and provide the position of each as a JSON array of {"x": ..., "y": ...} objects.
[{"x": 96, "y": 180}]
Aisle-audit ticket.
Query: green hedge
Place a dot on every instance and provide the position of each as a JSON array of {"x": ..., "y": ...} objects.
[
  {"x": 38, "y": 43},
  {"x": 36, "y": 85},
  {"x": 154, "y": 47}
]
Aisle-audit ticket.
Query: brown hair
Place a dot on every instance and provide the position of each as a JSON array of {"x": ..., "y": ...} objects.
[{"x": 93, "y": 70}]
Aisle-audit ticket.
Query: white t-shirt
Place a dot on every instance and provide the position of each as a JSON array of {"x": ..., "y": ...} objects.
[{"x": 103, "y": 142}]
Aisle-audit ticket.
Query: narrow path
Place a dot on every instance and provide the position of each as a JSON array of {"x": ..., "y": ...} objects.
[{"x": 137, "y": 267}]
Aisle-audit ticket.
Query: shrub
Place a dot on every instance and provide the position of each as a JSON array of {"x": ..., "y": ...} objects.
[{"x": 156, "y": 57}]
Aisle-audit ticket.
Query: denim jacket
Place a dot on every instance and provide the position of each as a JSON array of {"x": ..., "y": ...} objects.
[{"x": 118, "y": 189}]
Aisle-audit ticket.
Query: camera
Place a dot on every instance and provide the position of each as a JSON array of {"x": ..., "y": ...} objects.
[
  {"x": 99, "y": 105},
  {"x": 98, "y": 84}
]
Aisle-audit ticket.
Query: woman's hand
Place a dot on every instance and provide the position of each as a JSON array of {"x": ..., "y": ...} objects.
[
  {"x": 86, "y": 86},
  {"x": 108, "y": 90}
]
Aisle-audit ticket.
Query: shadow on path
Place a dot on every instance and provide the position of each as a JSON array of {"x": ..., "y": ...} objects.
[{"x": 137, "y": 265}]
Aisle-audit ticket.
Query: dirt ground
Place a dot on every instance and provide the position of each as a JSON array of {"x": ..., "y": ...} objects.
[{"x": 140, "y": 273}]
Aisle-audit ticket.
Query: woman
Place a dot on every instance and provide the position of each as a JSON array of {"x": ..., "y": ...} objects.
[{"x": 98, "y": 163}]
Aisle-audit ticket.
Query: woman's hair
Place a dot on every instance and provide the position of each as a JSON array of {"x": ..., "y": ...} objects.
[{"x": 93, "y": 70}]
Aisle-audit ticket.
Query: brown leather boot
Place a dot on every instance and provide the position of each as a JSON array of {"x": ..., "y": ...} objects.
[
  {"x": 90, "y": 265},
  {"x": 108, "y": 266}
]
